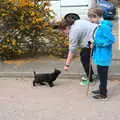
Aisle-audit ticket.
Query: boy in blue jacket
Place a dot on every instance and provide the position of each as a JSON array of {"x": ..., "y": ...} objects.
[{"x": 102, "y": 50}]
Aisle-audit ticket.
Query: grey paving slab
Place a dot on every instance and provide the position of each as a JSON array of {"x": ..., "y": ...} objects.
[
  {"x": 47, "y": 64},
  {"x": 66, "y": 101}
]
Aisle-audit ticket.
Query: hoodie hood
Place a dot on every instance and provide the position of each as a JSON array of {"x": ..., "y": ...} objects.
[
  {"x": 107, "y": 24},
  {"x": 104, "y": 34}
]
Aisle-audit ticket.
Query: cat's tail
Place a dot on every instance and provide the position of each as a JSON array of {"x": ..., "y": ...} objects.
[{"x": 34, "y": 73}]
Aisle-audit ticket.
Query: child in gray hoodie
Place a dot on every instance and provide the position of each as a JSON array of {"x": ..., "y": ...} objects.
[{"x": 80, "y": 33}]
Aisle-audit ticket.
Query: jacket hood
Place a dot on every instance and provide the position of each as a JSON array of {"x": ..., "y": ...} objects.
[{"x": 107, "y": 23}]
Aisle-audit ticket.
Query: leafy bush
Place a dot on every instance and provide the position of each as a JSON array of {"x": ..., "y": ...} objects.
[
  {"x": 25, "y": 27},
  {"x": 58, "y": 43},
  {"x": 9, "y": 47}
]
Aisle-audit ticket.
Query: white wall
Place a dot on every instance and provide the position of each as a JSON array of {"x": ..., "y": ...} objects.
[
  {"x": 74, "y": 2},
  {"x": 63, "y": 7},
  {"x": 55, "y": 5}
]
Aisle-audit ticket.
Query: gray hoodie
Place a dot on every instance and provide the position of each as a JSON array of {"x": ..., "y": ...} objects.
[{"x": 80, "y": 33}]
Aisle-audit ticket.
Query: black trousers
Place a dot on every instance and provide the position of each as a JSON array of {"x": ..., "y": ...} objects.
[
  {"x": 85, "y": 60},
  {"x": 103, "y": 75}
]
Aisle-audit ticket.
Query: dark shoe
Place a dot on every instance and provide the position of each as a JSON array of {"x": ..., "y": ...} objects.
[
  {"x": 96, "y": 91},
  {"x": 100, "y": 97}
]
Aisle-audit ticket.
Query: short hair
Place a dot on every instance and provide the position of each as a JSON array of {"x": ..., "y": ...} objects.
[
  {"x": 70, "y": 18},
  {"x": 62, "y": 24},
  {"x": 94, "y": 12}
]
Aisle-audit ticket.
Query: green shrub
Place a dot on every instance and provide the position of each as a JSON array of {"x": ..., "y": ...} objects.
[{"x": 25, "y": 29}]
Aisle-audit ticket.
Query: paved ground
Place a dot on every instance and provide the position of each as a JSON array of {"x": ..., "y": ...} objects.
[{"x": 66, "y": 101}]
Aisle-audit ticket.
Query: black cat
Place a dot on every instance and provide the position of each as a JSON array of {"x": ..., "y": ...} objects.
[{"x": 46, "y": 77}]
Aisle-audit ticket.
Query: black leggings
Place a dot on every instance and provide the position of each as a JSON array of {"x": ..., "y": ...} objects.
[
  {"x": 85, "y": 60},
  {"x": 103, "y": 75}
]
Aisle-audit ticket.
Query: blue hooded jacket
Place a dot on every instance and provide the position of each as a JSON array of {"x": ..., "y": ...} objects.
[{"x": 103, "y": 40}]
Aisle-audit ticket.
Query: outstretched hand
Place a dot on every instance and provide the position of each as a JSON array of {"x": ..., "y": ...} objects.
[
  {"x": 66, "y": 68},
  {"x": 92, "y": 45}
]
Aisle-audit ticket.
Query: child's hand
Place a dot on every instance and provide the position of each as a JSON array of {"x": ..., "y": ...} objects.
[
  {"x": 91, "y": 45},
  {"x": 66, "y": 67}
]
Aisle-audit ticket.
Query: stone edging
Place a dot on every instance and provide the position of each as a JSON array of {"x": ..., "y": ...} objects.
[{"x": 62, "y": 76}]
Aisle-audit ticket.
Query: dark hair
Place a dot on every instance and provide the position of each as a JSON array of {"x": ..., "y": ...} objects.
[
  {"x": 94, "y": 12},
  {"x": 70, "y": 18}
]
